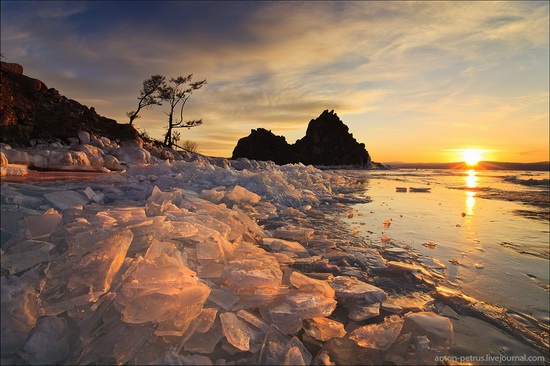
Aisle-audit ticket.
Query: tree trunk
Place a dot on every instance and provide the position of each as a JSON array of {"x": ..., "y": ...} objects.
[{"x": 168, "y": 137}]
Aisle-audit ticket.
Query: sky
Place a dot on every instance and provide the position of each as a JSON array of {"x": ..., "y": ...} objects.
[{"x": 415, "y": 81}]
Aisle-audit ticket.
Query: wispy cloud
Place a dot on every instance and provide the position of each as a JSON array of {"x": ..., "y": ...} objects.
[{"x": 421, "y": 68}]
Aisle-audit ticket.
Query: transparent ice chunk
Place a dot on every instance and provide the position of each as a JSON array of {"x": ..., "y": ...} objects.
[
  {"x": 361, "y": 310},
  {"x": 274, "y": 347},
  {"x": 26, "y": 254},
  {"x": 253, "y": 319},
  {"x": 19, "y": 309},
  {"x": 280, "y": 245},
  {"x": 235, "y": 331},
  {"x": 350, "y": 288},
  {"x": 240, "y": 195},
  {"x": 205, "y": 342},
  {"x": 85, "y": 271},
  {"x": 66, "y": 199},
  {"x": 303, "y": 282},
  {"x": 48, "y": 342},
  {"x": 293, "y": 233},
  {"x": 172, "y": 358},
  {"x": 437, "y": 328},
  {"x": 41, "y": 226},
  {"x": 378, "y": 336},
  {"x": 324, "y": 329}
]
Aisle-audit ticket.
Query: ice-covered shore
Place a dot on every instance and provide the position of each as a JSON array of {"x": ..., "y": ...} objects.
[{"x": 182, "y": 259}]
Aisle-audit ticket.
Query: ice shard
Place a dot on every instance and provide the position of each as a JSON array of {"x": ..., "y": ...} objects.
[
  {"x": 324, "y": 329},
  {"x": 41, "y": 226},
  {"x": 378, "y": 336},
  {"x": 235, "y": 331},
  {"x": 66, "y": 199},
  {"x": 85, "y": 271},
  {"x": 19, "y": 309},
  {"x": 48, "y": 342},
  {"x": 26, "y": 254},
  {"x": 437, "y": 328},
  {"x": 274, "y": 347},
  {"x": 350, "y": 288},
  {"x": 280, "y": 245}
]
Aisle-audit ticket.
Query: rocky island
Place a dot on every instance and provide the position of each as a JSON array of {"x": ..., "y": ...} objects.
[{"x": 327, "y": 143}]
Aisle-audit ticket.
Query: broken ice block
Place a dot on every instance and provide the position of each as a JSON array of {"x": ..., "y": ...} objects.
[
  {"x": 280, "y": 245},
  {"x": 350, "y": 288},
  {"x": 438, "y": 329},
  {"x": 252, "y": 271},
  {"x": 303, "y": 282},
  {"x": 310, "y": 304},
  {"x": 402, "y": 304},
  {"x": 165, "y": 304},
  {"x": 41, "y": 226},
  {"x": 253, "y": 319},
  {"x": 344, "y": 351},
  {"x": 236, "y": 331},
  {"x": 361, "y": 310},
  {"x": 172, "y": 358},
  {"x": 25, "y": 254},
  {"x": 223, "y": 297},
  {"x": 296, "y": 353},
  {"x": 48, "y": 342},
  {"x": 158, "y": 196},
  {"x": 113, "y": 342},
  {"x": 324, "y": 329},
  {"x": 206, "y": 319},
  {"x": 66, "y": 199},
  {"x": 274, "y": 347},
  {"x": 320, "y": 244},
  {"x": 293, "y": 233},
  {"x": 378, "y": 336},
  {"x": 94, "y": 196},
  {"x": 19, "y": 309},
  {"x": 205, "y": 342},
  {"x": 163, "y": 289},
  {"x": 212, "y": 195},
  {"x": 404, "y": 267},
  {"x": 85, "y": 271},
  {"x": 289, "y": 310},
  {"x": 240, "y": 195},
  {"x": 282, "y": 317}
]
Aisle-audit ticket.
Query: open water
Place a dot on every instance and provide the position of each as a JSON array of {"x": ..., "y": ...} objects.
[{"x": 490, "y": 230}]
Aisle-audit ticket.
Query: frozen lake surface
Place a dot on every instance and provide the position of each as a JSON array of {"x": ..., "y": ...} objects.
[
  {"x": 209, "y": 260},
  {"x": 489, "y": 229}
]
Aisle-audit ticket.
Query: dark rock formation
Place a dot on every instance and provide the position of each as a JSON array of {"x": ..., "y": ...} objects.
[
  {"x": 30, "y": 110},
  {"x": 327, "y": 142},
  {"x": 262, "y": 144}
]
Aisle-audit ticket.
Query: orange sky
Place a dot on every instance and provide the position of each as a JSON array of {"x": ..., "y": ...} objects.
[{"x": 414, "y": 81}]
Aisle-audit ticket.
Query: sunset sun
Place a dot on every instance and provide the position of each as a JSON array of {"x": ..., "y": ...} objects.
[{"x": 472, "y": 156}]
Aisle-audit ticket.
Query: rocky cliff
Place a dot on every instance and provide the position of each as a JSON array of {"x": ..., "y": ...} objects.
[
  {"x": 327, "y": 142},
  {"x": 30, "y": 110}
]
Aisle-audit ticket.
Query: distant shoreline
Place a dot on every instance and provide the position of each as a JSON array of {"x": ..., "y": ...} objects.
[{"x": 483, "y": 165}]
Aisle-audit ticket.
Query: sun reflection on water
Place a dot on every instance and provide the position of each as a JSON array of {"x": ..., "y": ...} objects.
[
  {"x": 471, "y": 179},
  {"x": 471, "y": 182}
]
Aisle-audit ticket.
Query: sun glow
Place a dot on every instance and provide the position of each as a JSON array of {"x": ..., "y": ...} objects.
[{"x": 472, "y": 156}]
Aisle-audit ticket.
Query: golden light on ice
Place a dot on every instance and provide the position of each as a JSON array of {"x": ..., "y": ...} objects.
[{"x": 472, "y": 156}]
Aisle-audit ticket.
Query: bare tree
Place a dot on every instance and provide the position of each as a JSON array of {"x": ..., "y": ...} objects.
[
  {"x": 148, "y": 95},
  {"x": 176, "y": 137},
  {"x": 189, "y": 145},
  {"x": 178, "y": 91}
]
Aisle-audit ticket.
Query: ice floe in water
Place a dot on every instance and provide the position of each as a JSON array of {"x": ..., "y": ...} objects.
[{"x": 200, "y": 261}]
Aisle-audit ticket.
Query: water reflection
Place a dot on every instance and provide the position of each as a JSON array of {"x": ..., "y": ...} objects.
[
  {"x": 471, "y": 182},
  {"x": 470, "y": 203},
  {"x": 471, "y": 179}
]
